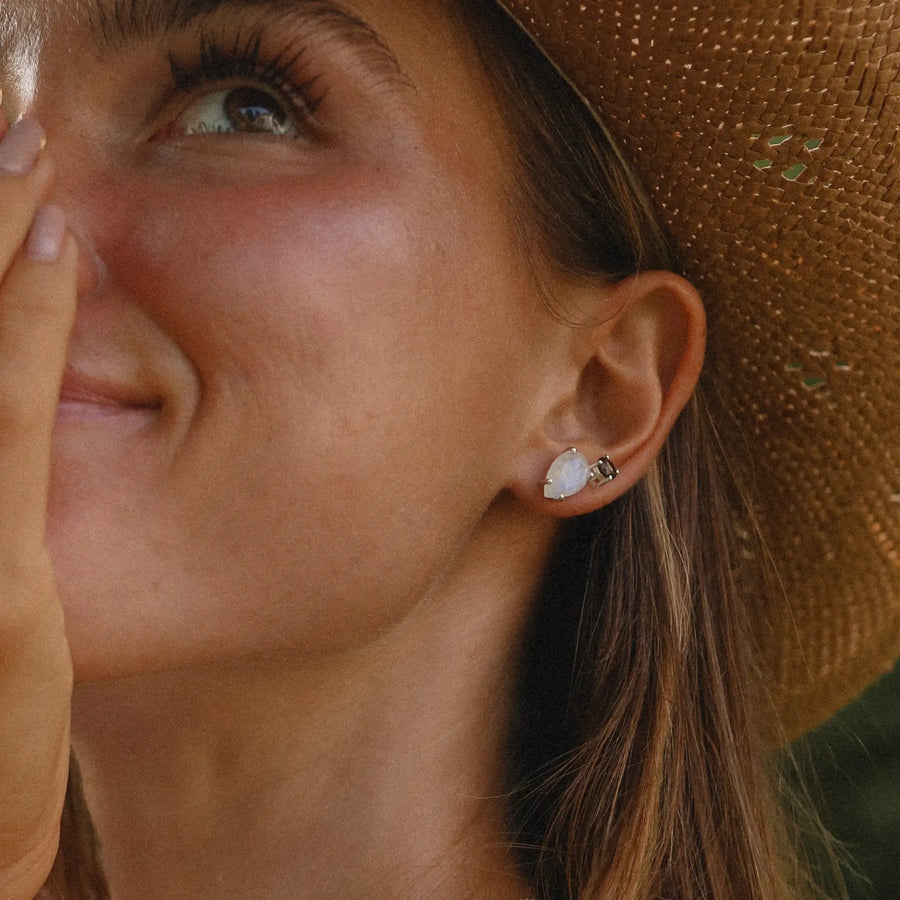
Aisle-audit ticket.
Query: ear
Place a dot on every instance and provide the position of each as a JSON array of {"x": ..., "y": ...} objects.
[{"x": 619, "y": 387}]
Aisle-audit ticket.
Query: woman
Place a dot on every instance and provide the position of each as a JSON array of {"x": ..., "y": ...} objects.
[{"x": 351, "y": 281}]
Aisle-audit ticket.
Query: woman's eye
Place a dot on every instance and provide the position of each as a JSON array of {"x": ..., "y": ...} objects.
[{"x": 239, "y": 110}]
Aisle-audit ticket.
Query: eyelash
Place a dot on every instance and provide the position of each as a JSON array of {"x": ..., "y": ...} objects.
[{"x": 244, "y": 59}]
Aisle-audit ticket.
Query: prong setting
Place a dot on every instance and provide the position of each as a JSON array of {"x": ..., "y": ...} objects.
[
  {"x": 603, "y": 471},
  {"x": 571, "y": 473}
]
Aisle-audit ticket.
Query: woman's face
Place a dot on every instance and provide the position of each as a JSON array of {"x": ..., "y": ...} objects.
[{"x": 304, "y": 357}]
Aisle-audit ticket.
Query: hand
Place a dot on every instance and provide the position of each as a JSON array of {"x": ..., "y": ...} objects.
[{"x": 37, "y": 302}]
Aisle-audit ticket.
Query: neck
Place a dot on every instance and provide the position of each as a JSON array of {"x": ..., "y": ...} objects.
[{"x": 372, "y": 773}]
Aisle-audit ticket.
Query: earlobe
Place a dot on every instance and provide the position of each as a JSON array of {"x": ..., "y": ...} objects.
[{"x": 637, "y": 368}]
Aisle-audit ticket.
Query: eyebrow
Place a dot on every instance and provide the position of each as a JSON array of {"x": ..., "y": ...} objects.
[{"x": 118, "y": 24}]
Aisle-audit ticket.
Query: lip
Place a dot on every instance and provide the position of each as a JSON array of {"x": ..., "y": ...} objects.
[{"x": 86, "y": 397}]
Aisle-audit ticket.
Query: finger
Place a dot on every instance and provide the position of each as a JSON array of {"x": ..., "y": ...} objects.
[
  {"x": 35, "y": 666},
  {"x": 37, "y": 306},
  {"x": 35, "y": 692},
  {"x": 25, "y": 175}
]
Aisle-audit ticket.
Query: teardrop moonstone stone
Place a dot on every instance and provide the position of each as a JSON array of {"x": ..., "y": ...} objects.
[{"x": 569, "y": 473}]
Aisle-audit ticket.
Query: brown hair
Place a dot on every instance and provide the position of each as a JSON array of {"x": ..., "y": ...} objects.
[
  {"x": 77, "y": 873},
  {"x": 635, "y": 761}
]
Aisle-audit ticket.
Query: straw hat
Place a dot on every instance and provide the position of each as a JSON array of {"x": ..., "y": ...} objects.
[{"x": 768, "y": 134}]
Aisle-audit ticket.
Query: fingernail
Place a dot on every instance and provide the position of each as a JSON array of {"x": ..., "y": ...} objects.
[
  {"x": 47, "y": 233},
  {"x": 20, "y": 148}
]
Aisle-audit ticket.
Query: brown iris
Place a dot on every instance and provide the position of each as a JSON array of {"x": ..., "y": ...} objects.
[{"x": 255, "y": 111}]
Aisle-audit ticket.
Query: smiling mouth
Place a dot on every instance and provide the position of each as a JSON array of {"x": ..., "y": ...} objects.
[{"x": 83, "y": 398}]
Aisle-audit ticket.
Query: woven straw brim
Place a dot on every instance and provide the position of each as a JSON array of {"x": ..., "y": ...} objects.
[{"x": 767, "y": 134}]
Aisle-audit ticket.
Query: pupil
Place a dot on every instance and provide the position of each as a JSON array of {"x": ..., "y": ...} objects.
[{"x": 253, "y": 110}]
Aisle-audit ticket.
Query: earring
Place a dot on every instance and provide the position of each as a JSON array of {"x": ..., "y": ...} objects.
[{"x": 570, "y": 472}]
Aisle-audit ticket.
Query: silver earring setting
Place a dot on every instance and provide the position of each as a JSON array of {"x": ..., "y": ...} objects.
[{"x": 570, "y": 472}]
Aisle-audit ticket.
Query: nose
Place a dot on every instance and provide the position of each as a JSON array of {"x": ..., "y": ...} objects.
[
  {"x": 91, "y": 268},
  {"x": 86, "y": 186},
  {"x": 75, "y": 190}
]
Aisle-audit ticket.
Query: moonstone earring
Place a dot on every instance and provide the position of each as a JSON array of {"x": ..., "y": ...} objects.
[{"x": 571, "y": 472}]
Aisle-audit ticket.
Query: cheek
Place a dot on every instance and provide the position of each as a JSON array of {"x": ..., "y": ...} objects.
[
  {"x": 357, "y": 411},
  {"x": 306, "y": 296}
]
